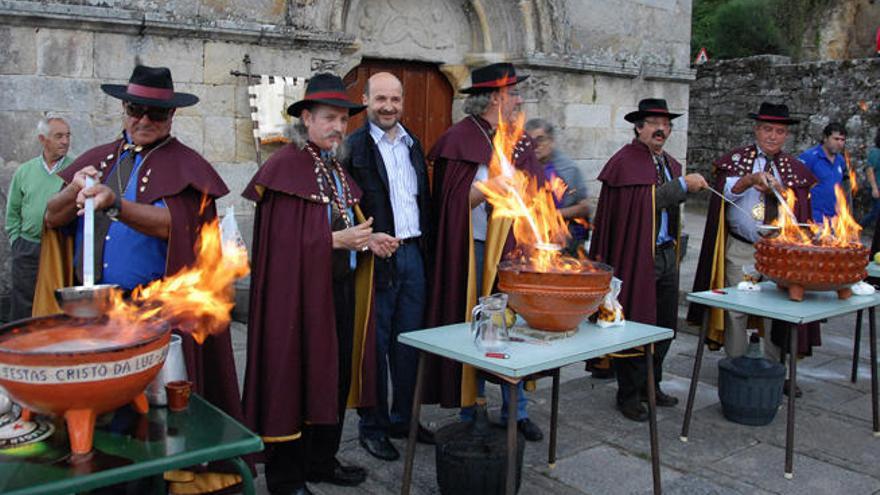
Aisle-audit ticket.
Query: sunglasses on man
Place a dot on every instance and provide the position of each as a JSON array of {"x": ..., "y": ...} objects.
[{"x": 155, "y": 114}]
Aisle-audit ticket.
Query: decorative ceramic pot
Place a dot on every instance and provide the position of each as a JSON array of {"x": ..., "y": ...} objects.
[
  {"x": 78, "y": 369},
  {"x": 554, "y": 301},
  {"x": 798, "y": 268}
]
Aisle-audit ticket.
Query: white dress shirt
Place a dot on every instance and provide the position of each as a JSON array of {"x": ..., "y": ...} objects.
[
  {"x": 479, "y": 213},
  {"x": 403, "y": 185},
  {"x": 741, "y": 224}
]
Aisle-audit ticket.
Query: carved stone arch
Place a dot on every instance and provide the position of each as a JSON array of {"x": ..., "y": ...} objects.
[
  {"x": 458, "y": 34},
  {"x": 439, "y": 31}
]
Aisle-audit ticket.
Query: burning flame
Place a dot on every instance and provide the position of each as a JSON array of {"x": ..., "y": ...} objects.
[
  {"x": 840, "y": 231},
  {"x": 853, "y": 178},
  {"x": 197, "y": 299},
  {"x": 538, "y": 227}
]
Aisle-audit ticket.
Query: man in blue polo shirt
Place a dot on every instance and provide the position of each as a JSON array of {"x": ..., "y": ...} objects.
[{"x": 827, "y": 163}]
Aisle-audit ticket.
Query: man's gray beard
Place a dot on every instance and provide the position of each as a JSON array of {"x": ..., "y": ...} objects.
[{"x": 339, "y": 151}]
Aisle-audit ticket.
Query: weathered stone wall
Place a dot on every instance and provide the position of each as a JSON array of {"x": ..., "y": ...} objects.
[
  {"x": 818, "y": 93},
  {"x": 842, "y": 30},
  {"x": 588, "y": 66}
]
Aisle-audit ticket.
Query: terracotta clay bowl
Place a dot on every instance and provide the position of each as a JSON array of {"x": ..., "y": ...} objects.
[
  {"x": 79, "y": 369},
  {"x": 554, "y": 301},
  {"x": 798, "y": 268}
]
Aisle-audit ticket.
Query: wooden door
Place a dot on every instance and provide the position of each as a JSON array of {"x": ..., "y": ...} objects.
[{"x": 427, "y": 96}]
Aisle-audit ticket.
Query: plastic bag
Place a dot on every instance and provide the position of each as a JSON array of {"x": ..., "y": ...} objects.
[
  {"x": 611, "y": 311},
  {"x": 863, "y": 288},
  {"x": 230, "y": 236},
  {"x": 751, "y": 277}
]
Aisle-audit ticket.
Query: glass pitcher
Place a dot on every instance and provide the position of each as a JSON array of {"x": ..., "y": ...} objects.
[{"x": 489, "y": 325}]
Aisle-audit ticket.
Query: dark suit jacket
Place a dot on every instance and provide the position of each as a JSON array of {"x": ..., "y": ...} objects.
[{"x": 365, "y": 164}]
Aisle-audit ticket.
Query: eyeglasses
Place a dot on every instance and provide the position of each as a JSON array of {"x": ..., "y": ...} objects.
[
  {"x": 155, "y": 114},
  {"x": 656, "y": 123}
]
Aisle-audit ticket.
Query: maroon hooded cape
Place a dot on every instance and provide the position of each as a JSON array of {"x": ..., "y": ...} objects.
[
  {"x": 738, "y": 163},
  {"x": 292, "y": 365},
  {"x": 624, "y": 235},
  {"x": 177, "y": 174},
  {"x": 456, "y": 157}
]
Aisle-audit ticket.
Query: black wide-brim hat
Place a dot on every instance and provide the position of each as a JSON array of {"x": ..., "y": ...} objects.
[
  {"x": 651, "y": 107},
  {"x": 325, "y": 89},
  {"x": 492, "y": 78},
  {"x": 151, "y": 86},
  {"x": 775, "y": 114}
]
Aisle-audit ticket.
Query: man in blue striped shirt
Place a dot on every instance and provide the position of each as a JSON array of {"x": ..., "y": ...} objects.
[{"x": 388, "y": 164}]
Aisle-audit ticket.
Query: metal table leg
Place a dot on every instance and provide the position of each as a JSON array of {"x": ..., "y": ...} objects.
[
  {"x": 247, "y": 479},
  {"x": 554, "y": 418},
  {"x": 413, "y": 427},
  {"x": 510, "y": 485},
  {"x": 652, "y": 417},
  {"x": 792, "y": 387},
  {"x": 856, "y": 343},
  {"x": 695, "y": 377},
  {"x": 872, "y": 325}
]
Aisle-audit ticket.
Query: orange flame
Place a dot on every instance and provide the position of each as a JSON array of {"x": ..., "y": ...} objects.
[
  {"x": 538, "y": 227},
  {"x": 853, "y": 178},
  {"x": 842, "y": 230},
  {"x": 197, "y": 299}
]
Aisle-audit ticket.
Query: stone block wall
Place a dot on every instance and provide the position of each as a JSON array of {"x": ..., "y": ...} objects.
[
  {"x": 818, "y": 93},
  {"x": 588, "y": 67},
  {"x": 60, "y": 70},
  {"x": 588, "y": 111}
]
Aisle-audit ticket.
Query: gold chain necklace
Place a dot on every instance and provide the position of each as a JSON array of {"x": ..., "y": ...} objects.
[{"x": 340, "y": 201}]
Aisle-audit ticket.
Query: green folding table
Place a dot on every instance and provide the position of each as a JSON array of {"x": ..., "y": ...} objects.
[
  {"x": 525, "y": 359},
  {"x": 129, "y": 446},
  {"x": 773, "y": 303}
]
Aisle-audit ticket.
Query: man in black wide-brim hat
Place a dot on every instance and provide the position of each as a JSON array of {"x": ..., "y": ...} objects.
[
  {"x": 469, "y": 241},
  {"x": 636, "y": 230},
  {"x": 746, "y": 176},
  {"x": 152, "y": 195},
  {"x": 311, "y": 346}
]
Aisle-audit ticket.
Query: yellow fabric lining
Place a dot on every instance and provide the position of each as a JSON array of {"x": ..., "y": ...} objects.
[
  {"x": 363, "y": 289},
  {"x": 286, "y": 438},
  {"x": 201, "y": 483},
  {"x": 716, "y": 316},
  {"x": 55, "y": 270},
  {"x": 468, "y": 388}
]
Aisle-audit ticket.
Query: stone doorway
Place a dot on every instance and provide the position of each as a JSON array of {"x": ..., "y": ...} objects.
[{"x": 427, "y": 110}]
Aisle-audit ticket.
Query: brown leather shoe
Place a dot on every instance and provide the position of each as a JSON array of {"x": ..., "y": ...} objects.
[
  {"x": 634, "y": 411},
  {"x": 401, "y": 430},
  {"x": 797, "y": 389},
  {"x": 663, "y": 399}
]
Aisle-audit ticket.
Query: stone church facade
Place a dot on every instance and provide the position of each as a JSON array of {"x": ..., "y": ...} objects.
[{"x": 590, "y": 62}]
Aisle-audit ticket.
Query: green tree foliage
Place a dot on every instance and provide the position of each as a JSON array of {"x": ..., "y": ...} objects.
[
  {"x": 746, "y": 27},
  {"x": 741, "y": 28}
]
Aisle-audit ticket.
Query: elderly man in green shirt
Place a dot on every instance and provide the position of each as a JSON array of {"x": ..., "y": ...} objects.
[{"x": 33, "y": 184}]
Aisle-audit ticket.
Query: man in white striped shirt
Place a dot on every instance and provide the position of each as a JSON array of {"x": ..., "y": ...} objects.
[{"x": 388, "y": 164}]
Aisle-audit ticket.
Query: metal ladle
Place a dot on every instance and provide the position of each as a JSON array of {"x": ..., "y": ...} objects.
[{"x": 87, "y": 300}]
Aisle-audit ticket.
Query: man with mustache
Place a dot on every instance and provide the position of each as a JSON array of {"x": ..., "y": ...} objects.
[
  {"x": 33, "y": 183},
  {"x": 469, "y": 242},
  {"x": 152, "y": 195},
  {"x": 637, "y": 232},
  {"x": 388, "y": 164},
  {"x": 747, "y": 176},
  {"x": 311, "y": 348}
]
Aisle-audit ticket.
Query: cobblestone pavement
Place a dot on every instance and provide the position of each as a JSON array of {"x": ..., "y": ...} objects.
[{"x": 601, "y": 452}]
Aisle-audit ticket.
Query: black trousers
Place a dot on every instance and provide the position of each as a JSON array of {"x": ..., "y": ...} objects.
[
  {"x": 632, "y": 373},
  {"x": 289, "y": 463},
  {"x": 25, "y": 263}
]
